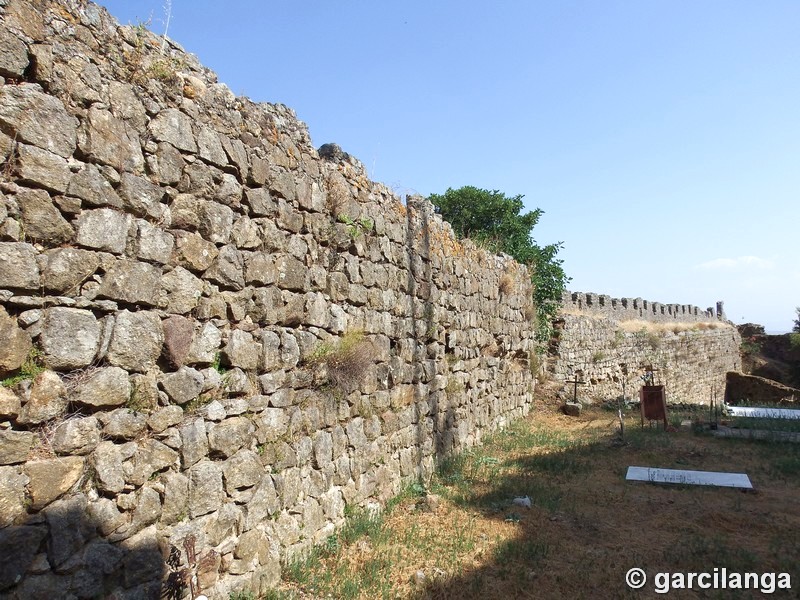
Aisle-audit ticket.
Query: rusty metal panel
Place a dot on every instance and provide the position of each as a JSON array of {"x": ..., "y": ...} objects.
[{"x": 653, "y": 403}]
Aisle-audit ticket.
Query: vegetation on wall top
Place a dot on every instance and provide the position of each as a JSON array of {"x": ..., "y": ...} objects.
[{"x": 495, "y": 221}]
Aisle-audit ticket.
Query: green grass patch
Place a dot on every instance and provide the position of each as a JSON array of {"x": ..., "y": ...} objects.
[{"x": 33, "y": 365}]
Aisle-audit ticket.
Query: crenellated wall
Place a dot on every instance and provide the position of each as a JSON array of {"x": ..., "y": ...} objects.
[
  {"x": 214, "y": 339},
  {"x": 623, "y": 309},
  {"x": 607, "y": 341}
]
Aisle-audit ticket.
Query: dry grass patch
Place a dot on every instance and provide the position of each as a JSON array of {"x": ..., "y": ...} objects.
[
  {"x": 506, "y": 284},
  {"x": 637, "y": 325},
  {"x": 345, "y": 360}
]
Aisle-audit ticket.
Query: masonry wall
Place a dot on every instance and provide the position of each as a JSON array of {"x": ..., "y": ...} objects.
[
  {"x": 213, "y": 339},
  {"x": 610, "y": 342}
]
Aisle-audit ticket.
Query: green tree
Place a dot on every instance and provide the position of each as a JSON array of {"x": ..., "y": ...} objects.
[
  {"x": 495, "y": 221},
  {"x": 796, "y": 327}
]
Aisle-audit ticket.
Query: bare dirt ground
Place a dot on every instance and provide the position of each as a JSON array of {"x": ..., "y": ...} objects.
[{"x": 586, "y": 526}]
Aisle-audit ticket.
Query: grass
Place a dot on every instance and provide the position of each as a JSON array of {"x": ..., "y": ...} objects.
[
  {"x": 584, "y": 517},
  {"x": 346, "y": 359},
  {"x": 355, "y": 227},
  {"x": 506, "y": 284},
  {"x": 322, "y": 572},
  {"x": 33, "y": 365},
  {"x": 765, "y": 423}
]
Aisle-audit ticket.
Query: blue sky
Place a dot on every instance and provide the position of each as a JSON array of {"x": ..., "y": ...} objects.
[{"x": 661, "y": 138}]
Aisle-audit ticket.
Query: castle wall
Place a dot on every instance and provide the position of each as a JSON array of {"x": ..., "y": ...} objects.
[
  {"x": 691, "y": 357},
  {"x": 215, "y": 340}
]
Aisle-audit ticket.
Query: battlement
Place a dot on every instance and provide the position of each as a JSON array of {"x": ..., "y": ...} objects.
[{"x": 623, "y": 309}]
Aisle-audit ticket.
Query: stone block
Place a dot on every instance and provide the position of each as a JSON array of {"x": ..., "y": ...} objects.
[
  {"x": 104, "y": 229},
  {"x": 178, "y": 336},
  {"x": 175, "y": 127},
  {"x": 153, "y": 243},
  {"x": 10, "y": 404},
  {"x": 176, "y": 497},
  {"x": 13, "y": 55},
  {"x": 152, "y": 456},
  {"x": 76, "y": 436},
  {"x": 260, "y": 202},
  {"x": 165, "y": 417},
  {"x": 168, "y": 164},
  {"x": 323, "y": 449},
  {"x": 227, "y": 269},
  {"x": 242, "y": 470},
  {"x": 206, "y": 493},
  {"x": 16, "y": 349},
  {"x": 193, "y": 252},
  {"x": 184, "y": 385},
  {"x": 123, "y": 424},
  {"x": 205, "y": 345},
  {"x": 107, "y": 461},
  {"x": 52, "y": 478},
  {"x": 259, "y": 268},
  {"x": 291, "y": 274},
  {"x": 67, "y": 268},
  {"x": 215, "y": 221},
  {"x": 194, "y": 442},
  {"x": 210, "y": 148},
  {"x": 183, "y": 290},
  {"x": 246, "y": 234},
  {"x": 18, "y": 546},
  {"x": 92, "y": 188},
  {"x": 47, "y": 400},
  {"x": 136, "y": 341},
  {"x": 42, "y": 169},
  {"x": 224, "y": 525},
  {"x": 18, "y": 267},
  {"x": 108, "y": 140},
  {"x": 227, "y": 437},
  {"x": 229, "y": 191},
  {"x": 38, "y": 119},
  {"x": 70, "y": 338},
  {"x": 242, "y": 350},
  {"x": 15, "y": 446},
  {"x": 103, "y": 387},
  {"x": 141, "y": 197},
  {"x": 263, "y": 504}
]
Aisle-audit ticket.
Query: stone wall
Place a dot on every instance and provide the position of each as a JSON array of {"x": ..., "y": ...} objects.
[
  {"x": 623, "y": 309},
  {"x": 691, "y": 359},
  {"x": 214, "y": 339}
]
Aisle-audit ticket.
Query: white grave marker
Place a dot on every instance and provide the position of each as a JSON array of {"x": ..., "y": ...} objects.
[
  {"x": 735, "y": 480},
  {"x": 763, "y": 413}
]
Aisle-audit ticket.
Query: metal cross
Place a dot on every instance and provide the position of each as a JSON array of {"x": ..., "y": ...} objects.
[{"x": 575, "y": 388}]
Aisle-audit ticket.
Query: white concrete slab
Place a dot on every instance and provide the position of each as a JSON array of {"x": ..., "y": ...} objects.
[
  {"x": 763, "y": 413},
  {"x": 735, "y": 480}
]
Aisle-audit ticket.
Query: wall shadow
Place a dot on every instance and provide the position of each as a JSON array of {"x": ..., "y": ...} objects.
[
  {"x": 61, "y": 552},
  {"x": 419, "y": 286},
  {"x": 587, "y": 526}
]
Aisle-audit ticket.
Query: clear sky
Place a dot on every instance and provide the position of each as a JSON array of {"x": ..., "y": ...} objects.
[{"x": 660, "y": 138}]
